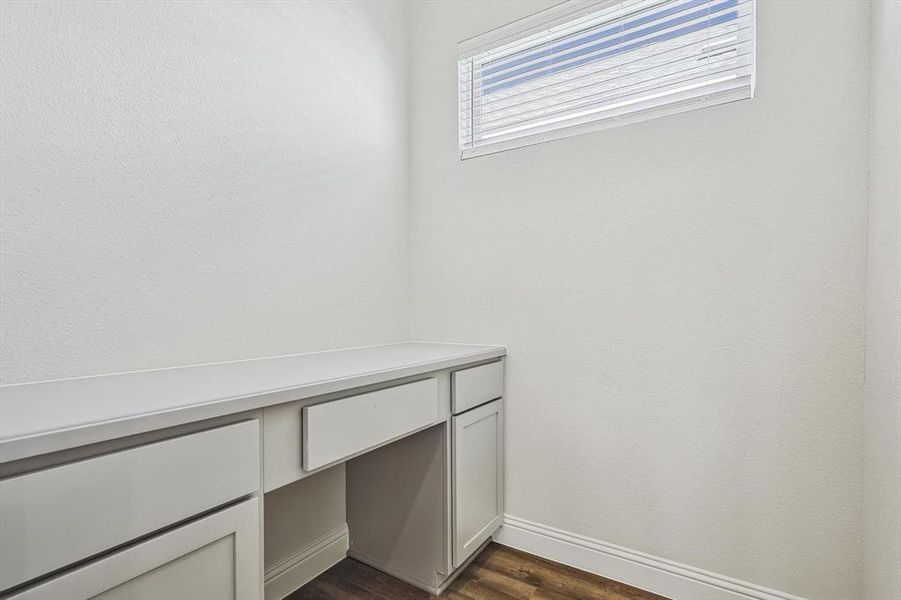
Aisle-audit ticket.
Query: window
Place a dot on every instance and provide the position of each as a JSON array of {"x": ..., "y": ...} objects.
[{"x": 582, "y": 66}]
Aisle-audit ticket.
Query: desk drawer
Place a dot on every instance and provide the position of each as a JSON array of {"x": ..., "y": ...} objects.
[
  {"x": 55, "y": 517},
  {"x": 477, "y": 385},
  {"x": 336, "y": 430},
  {"x": 216, "y": 557}
]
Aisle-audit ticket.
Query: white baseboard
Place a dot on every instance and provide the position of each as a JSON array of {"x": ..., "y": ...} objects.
[
  {"x": 293, "y": 571},
  {"x": 644, "y": 571}
]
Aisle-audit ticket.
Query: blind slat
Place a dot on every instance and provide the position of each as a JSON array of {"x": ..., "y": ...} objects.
[
  {"x": 647, "y": 82},
  {"x": 592, "y": 35},
  {"x": 597, "y": 81},
  {"x": 713, "y": 37},
  {"x": 685, "y": 23}
]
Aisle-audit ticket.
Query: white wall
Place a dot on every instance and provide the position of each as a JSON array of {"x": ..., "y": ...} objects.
[
  {"x": 683, "y": 302},
  {"x": 188, "y": 182},
  {"x": 683, "y": 299},
  {"x": 882, "y": 463}
]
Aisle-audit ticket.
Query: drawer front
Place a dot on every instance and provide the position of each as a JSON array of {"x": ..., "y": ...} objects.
[
  {"x": 55, "y": 517},
  {"x": 477, "y": 385},
  {"x": 336, "y": 430},
  {"x": 213, "y": 558}
]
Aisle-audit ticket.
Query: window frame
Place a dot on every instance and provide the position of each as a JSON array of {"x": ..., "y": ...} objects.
[{"x": 560, "y": 15}]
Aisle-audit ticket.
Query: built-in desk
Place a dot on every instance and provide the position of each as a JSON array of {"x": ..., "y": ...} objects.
[{"x": 153, "y": 484}]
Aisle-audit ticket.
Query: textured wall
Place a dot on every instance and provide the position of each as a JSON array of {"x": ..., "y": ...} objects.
[
  {"x": 189, "y": 182},
  {"x": 682, "y": 299},
  {"x": 882, "y": 466},
  {"x": 683, "y": 302}
]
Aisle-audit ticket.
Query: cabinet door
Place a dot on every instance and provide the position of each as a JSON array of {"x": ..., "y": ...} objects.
[
  {"x": 107, "y": 501},
  {"x": 214, "y": 557},
  {"x": 478, "y": 469}
]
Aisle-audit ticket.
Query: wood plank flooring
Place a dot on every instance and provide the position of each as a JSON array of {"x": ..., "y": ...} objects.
[{"x": 498, "y": 573}]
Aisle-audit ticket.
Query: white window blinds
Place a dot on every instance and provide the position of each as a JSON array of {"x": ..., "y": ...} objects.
[{"x": 582, "y": 66}]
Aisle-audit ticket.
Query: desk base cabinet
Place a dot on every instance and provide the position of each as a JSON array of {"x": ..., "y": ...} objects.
[
  {"x": 397, "y": 510},
  {"x": 217, "y": 556},
  {"x": 180, "y": 517},
  {"x": 419, "y": 508},
  {"x": 478, "y": 468},
  {"x": 56, "y": 517}
]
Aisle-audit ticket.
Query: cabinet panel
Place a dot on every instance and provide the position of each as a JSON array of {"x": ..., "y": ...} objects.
[
  {"x": 103, "y": 502},
  {"x": 214, "y": 557},
  {"x": 478, "y": 466},
  {"x": 397, "y": 508}
]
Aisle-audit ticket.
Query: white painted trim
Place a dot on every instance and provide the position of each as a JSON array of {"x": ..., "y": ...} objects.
[
  {"x": 645, "y": 571},
  {"x": 290, "y": 573}
]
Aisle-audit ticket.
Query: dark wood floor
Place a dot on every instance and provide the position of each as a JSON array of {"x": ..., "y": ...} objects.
[{"x": 498, "y": 573}]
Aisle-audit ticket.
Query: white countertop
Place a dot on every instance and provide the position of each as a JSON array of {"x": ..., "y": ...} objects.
[{"x": 37, "y": 418}]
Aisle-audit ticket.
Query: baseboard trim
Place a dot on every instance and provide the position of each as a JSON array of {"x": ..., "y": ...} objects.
[
  {"x": 287, "y": 575},
  {"x": 644, "y": 571}
]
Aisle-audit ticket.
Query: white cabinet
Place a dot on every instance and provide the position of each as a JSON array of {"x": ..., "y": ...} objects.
[
  {"x": 54, "y": 517},
  {"x": 477, "y": 385},
  {"x": 478, "y": 477},
  {"x": 334, "y": 431},
  {"x": 217, "y": 556},
  {"x": 305, "y": 436},
  {"x": 176, "y": 513}
]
